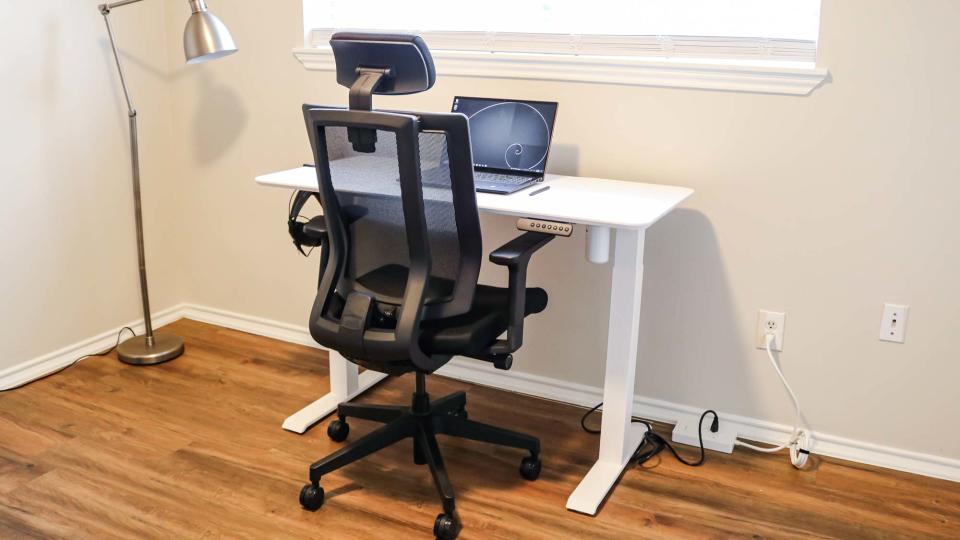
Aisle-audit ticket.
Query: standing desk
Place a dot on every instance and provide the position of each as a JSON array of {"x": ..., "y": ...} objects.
[{"x": 604, "y": 206}]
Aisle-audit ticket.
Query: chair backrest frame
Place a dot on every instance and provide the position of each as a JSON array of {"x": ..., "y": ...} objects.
[{"x": 402, "y": 342}]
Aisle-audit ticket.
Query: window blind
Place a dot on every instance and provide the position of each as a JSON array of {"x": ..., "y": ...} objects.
[{"x": 782, "y": 30}]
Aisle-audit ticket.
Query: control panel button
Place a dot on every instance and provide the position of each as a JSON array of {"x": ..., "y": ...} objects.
[{"x": 550, "y": 227}]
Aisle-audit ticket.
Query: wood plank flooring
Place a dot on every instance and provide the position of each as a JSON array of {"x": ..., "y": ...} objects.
[{"x": 194, "y": 449}]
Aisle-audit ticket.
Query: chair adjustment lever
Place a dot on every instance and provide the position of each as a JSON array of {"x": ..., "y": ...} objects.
[{"x": 354, "y": 322}]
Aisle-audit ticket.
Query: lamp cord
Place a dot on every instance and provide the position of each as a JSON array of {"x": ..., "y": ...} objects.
[{"x": 75, "y": 362}]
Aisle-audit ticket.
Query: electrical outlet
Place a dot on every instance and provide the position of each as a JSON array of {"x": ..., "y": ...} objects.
[
  {"x": 893, "y": 325},
  {"x": 767, "y": 322}
]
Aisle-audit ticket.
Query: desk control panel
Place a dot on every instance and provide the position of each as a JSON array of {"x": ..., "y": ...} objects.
[{"x": 558, "y": 228}]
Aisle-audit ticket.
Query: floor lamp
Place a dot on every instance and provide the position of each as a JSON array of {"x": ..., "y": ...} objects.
[{"x": 204, "y": 38}]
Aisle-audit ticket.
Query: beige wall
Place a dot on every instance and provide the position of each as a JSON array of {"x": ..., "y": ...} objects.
[
  {"x": 69, "y": 267},
  {"x": 823, "y": 206}
]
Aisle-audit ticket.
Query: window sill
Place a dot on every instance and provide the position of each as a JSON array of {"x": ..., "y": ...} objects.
[{"x": 795, "y": 79}]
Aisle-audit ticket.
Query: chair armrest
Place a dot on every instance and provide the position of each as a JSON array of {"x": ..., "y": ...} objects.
[
  {"x": 520, "y": 249},
  {"x": 515, "y": 255}
]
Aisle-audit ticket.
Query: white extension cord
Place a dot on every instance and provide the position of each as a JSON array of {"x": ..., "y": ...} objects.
[{"x": 799, "y": 439}]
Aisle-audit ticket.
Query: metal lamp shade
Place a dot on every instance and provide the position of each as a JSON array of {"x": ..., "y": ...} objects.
[{"x": 206, "y": 37}]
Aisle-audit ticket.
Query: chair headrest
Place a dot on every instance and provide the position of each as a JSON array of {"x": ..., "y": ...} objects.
[{"x": 405, "y": 55}]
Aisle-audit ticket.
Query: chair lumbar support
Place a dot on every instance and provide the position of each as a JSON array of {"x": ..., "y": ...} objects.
[{"x": 422, "y": 421}]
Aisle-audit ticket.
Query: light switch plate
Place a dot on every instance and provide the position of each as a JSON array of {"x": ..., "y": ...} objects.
[{"x": 893, "y": 324}]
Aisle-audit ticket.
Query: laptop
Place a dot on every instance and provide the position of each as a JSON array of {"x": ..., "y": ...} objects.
[{"x": 510, "y": 140}]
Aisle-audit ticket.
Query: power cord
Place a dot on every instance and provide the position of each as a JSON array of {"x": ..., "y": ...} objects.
[
  {"x": 75, "y": 362},
  {"x": 652, "y": 443},
  {"x": 799, "y": 440}
]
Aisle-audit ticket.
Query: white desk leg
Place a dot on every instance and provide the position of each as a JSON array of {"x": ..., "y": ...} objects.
[
  {"x": 345, "y": 383},
  {"x": 619, "y": 438}
]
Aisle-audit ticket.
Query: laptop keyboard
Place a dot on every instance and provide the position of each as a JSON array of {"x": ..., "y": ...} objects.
[
  {"x": 431, "y": 180},
  {"x": 502, "y": 179}
]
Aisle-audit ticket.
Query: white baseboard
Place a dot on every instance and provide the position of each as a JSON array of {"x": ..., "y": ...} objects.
[
  {"x": 523, "y": 383},
  {"x": 252, "y": 325},
  {"x": 48, "y": 363}
]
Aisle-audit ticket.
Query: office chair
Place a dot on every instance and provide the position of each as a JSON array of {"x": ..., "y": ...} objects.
[{"x": 398, "y": 291}]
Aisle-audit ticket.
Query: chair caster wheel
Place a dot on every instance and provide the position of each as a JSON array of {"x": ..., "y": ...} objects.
[
  {"x": 446, "y": 527},
  {"x": 311, "y": 497},
  {"x": 530, "y": 468},
  {"x": 338, "y": 430}
]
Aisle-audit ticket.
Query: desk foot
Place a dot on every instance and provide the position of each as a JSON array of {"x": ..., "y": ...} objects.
[
  {"x": 306, "y": 417},
  {"x": 595, "y": 486}
]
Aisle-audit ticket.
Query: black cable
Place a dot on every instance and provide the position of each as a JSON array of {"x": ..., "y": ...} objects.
[
  {"x": 652, "y": 443},
  {"x": 75, "y": 362},
  {"x": 583, "y": 420}
]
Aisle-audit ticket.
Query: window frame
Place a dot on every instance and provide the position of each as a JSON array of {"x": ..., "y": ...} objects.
[
  {"x": 760, "y": 65},
  {"x": 701, "y": 47}
]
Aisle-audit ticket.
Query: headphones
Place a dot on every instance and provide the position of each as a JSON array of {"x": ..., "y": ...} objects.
[{"x": 300, "y": 233}]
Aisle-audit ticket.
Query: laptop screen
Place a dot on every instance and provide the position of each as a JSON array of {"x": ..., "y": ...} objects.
[{"x": 509, "y": 135}]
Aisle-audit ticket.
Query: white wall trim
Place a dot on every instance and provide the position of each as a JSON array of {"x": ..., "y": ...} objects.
[
  {"x": 290, "y": 333},
  {"x": 48, "y": 363},
  {"x": 789, "y": 78},
  {"x": 516, "y": 381}
]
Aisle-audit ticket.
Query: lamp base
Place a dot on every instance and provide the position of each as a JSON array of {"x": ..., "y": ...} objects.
[{"x": 135, "y": 351}]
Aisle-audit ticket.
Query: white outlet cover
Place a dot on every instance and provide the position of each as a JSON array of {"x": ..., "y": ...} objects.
[
  {"x": 764, "y": 320},
  {"x": 893, "y": 324}
]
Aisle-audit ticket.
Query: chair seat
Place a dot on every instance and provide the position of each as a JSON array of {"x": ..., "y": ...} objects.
[
  {"x": 475, "y": 331},
  {"x": 469, "y": 334}
]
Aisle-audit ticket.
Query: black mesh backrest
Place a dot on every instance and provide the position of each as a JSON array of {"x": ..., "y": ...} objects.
[{"x": 403, "y": 227}]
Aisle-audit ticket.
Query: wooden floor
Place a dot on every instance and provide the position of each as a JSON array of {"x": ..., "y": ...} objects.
[{"x": 194, "y": 449}]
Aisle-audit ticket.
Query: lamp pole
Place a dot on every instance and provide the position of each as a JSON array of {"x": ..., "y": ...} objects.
[
  {"x": 150, "y": 348},
  {"x": 205, "y": 38}
]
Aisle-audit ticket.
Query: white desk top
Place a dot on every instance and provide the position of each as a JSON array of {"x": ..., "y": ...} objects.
[{"x": 588, "y": 201}]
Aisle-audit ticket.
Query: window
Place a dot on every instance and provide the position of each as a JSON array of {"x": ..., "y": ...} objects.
[
  {"x": 777, "y": 30},
  {"x": 767, "y": 46}
]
